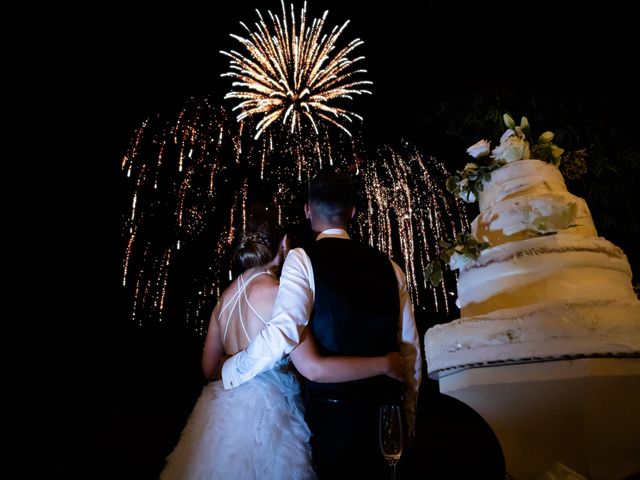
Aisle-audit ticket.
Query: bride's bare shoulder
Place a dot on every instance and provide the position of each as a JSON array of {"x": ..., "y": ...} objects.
[
  {"x": 264, "y": 288},
  {"x": 229, "y": 291}
]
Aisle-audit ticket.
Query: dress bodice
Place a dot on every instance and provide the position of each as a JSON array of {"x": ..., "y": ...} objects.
[{"x": 239, "y": 319}]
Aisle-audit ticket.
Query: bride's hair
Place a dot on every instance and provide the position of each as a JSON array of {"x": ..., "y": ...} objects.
[{"x": 261, "y": 239}]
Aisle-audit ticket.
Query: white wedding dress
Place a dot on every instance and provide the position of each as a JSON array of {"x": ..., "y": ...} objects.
[{"x": 253, "y": 432}]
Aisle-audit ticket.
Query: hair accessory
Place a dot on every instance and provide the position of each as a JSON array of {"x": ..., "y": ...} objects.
[{"x": 256, "y": 237}]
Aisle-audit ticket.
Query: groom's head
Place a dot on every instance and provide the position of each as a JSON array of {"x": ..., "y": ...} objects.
[{"x": 331, "y": 203}]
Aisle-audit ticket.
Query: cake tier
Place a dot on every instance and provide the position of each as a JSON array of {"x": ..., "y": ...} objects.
[
  {"x": 531, "y": 177},
  {"x": 525, "y": 216},
  {"x": 552, "y": 268},
  {"x": 535, "y": 332}
]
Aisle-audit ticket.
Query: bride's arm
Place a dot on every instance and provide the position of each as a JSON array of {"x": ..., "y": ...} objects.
[
  {"x": 317, "y": 368},
  {"x": 213, "y": 354}
]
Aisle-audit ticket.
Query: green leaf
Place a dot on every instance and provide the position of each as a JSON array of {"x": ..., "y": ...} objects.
[
  {"x": 434, "y": 273},
  {"x": 452, "y": 185}
]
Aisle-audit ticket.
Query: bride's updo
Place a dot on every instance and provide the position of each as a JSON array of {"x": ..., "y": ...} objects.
[{"x": 260, "y": 242}]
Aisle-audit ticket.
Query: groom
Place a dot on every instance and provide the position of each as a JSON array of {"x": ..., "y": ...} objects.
[{"x": 355, "y": 302}]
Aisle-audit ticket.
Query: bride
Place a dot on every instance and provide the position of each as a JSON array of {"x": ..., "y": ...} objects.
[{"x": 257, "y": 430}]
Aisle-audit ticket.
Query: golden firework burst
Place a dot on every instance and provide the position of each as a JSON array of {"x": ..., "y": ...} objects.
[{"x": 294, "y": 73}]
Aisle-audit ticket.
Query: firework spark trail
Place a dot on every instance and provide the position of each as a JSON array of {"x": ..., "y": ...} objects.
[
  {"x": 408, "y": 206},
  {"x": 127, "y": 257},
  {"x": 290, "y": 73},
  {"x": 201, "y": 205},
  {"x": 203, "y": 208}
]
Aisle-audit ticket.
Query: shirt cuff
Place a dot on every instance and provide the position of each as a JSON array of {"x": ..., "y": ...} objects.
[{"x": 230, "y": 378}]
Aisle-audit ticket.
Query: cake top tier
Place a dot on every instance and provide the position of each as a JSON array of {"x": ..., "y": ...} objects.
[
  {"x": 533, "y": 176},
  {"x": 514, "y": 147}
]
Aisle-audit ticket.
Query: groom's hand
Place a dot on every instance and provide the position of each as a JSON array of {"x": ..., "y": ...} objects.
[{"x": 395, "y": 367}]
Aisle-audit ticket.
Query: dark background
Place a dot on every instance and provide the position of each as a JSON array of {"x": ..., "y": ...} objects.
[{"x": 95, "y": 396}]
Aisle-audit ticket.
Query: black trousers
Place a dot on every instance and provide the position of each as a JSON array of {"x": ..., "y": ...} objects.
[{"x": 345, "y": 439}]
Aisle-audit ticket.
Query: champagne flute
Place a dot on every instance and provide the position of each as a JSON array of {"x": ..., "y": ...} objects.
[{"x": 391, "y": 438}]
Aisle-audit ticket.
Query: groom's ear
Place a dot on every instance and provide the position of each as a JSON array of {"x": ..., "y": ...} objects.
[
  {"x": 307, "y": 211},
  {"x": 353, "y": 212}
]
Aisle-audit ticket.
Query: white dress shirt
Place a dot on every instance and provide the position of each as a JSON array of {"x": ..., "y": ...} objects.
[{"x": 291, "y": 313}]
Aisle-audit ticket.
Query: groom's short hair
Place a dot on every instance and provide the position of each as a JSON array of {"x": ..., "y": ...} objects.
[{"x": 331, "y": 195}]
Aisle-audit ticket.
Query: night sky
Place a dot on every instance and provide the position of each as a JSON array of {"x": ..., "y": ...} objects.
[{"x": 81, "y": 366}]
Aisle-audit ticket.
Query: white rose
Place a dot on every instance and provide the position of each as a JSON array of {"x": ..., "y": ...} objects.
[
  {"x": 468, "y": 197},
  {"x": 457, "y": 261},
  {"x": 508, "y": 133},
  {"x": 512, "y": 149},
  {"x": 480, "y": 149}
]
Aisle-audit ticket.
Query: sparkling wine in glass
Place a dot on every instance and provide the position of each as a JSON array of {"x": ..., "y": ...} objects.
[{"x": 391, "y": 438}]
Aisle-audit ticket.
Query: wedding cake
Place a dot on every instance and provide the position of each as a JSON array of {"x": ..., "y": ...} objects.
[{"x": 544, "y": 286}]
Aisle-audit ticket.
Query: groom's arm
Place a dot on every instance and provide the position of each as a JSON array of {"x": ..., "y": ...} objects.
[
  {"x": 291, "y": 313},
  {"x": 409, "y": 349}
]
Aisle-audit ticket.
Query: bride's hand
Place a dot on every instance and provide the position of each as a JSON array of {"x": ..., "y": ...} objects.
[{"x": 395, "y": 368}]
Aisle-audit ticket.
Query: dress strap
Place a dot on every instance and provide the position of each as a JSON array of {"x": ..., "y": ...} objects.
[
  {"x": 246, "y": 299},
  {"x": 235, "y": 299}
]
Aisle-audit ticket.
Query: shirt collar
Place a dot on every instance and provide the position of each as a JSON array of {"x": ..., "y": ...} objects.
[{"x": 333, "y": 233}]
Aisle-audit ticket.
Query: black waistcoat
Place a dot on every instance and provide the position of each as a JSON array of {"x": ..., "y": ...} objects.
[{"x": 355, "y": 312}]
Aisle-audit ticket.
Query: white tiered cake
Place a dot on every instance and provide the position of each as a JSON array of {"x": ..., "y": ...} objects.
[{"x": 547, "y": 287}]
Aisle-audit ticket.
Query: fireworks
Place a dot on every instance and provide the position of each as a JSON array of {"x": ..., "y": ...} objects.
[
  {"x": 293, "y": 73},
  {"x": 189, "y": 183},
  {"x": 408, "y": 210},
  {"x": 191, "y": 180}
]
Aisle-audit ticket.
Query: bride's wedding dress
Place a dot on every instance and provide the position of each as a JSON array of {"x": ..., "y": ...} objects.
[{"x": 255, "y": 431}]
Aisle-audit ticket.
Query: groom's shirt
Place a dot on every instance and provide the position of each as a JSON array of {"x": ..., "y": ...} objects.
[{"x": 291, "y": 313}]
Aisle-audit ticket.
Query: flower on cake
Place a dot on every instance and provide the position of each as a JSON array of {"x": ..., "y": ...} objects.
[
  {"x": 514, "y": 146},
  {"x": 454, "y": 253},
  {"x": 513, "y": 143},
  {"x": 458, "y": 260},
  {"x": 467, "y": 183},
  {"x": 546, "y": 150},
  {"x": 480, "y": 149}
]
